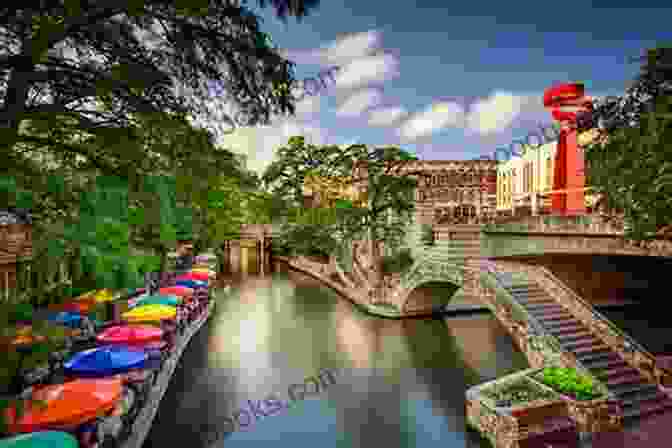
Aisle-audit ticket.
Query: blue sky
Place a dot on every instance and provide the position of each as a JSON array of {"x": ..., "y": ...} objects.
[{"x": 476, "y": 69}]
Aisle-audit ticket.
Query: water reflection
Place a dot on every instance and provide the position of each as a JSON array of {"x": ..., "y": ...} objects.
[{"x": 400, "y": 382}]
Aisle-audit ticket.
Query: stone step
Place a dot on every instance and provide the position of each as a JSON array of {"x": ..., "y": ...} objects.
[
  {"x": 533, "y": 304},
  {"x": 549, "y": 317},
  {"x": 632, "y": 378},
  {"x": 616, "y": 371},
  {"x": 566, "y": 329},
  {"x": 587, "y": 358},
  {"x": 580, "y": 343},
  {"x": 594, "y": 348},
  {"x": 564, "y": 325},
  {"x": 650, "y": 396},
  {"x": 545, "y": 306},
  {"x": 600, "y": 365},
  {"x": 646, "y": 410},
  {"x": 625, "y": 390}
]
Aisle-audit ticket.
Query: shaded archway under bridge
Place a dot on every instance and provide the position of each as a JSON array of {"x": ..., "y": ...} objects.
[{"x": 250, "y": 253}]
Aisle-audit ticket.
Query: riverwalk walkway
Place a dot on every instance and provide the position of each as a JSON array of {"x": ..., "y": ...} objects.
[{"x": 143, "y": 422}]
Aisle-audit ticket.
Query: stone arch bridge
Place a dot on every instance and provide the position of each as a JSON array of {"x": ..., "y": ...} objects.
[{"x": 460, "y": 251}]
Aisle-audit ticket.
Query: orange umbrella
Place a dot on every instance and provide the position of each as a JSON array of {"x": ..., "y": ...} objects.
[
  {"x": 68, "y": 405},
  {"x": 24, "y": 336},
  {"x": 81, "y": 305}
]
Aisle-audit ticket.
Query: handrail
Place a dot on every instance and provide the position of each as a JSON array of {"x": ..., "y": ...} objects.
[
  {"x": 538, "y": 328},
  {"x": 596, "y": 313},
  {"x": 490, "y": 267}
]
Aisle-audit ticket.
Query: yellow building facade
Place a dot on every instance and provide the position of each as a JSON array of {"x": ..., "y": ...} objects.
[
  {"x": 323, "y": 192},
  {"x": 525, "y": 182}
]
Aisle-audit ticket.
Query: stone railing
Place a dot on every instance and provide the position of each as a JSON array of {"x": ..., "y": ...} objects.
[
  {"x": 584, "y": 224},
  {"x": 631, "y": 351}
]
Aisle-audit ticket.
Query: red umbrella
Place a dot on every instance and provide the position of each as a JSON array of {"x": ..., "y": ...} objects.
[{"x": 68, "y": 405}]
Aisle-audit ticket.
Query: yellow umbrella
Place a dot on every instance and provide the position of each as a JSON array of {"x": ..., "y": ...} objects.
[
  {"x": 210, "y": 272},
  {"x": 104, "y": 295},
  {"x": 99, "y": 296},
  {"x": 149, "y": 313},
  {"x": 200, "y": 267}
]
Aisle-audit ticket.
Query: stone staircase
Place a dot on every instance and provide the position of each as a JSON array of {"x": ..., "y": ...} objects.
[{"x": 639, "y": 397}]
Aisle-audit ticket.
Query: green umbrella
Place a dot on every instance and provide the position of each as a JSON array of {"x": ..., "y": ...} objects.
[
  {"x": 46, "y": 439},
  {"x": 159, "y": 299}
]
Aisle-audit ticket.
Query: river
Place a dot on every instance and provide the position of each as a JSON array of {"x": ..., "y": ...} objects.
[{"x": 393, "y": 383}]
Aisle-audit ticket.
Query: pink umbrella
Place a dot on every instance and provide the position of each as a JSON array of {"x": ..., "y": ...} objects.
[
  {"x": 195, "y": 276},
  {"x": 130, "y": 334},
  {"x": 181, "y": 291}
]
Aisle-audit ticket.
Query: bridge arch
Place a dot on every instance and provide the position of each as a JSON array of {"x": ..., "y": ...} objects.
[{"x": 424, "y": 272}]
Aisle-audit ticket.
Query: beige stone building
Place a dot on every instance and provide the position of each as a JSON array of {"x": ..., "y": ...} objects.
[{"x": 455, "y": 191}]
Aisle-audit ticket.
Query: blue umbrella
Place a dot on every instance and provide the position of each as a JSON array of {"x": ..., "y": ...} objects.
[
  {"x": 192, "y": 283},
  {"x": 105, "y": 361},
  {"x": 68, "y": 318}
]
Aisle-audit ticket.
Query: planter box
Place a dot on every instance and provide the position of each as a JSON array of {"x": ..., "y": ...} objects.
[
  {"x": 535, "y": 412},
  {"x": 591, "y": 416}
]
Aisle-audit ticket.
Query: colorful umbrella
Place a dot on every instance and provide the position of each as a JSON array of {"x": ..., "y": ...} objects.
[
  {"x": 193, "y": 284},
  {"x": 169, "y": 300},
  {"x": 181, "y": 291},
  {"x": 150, "y": 313},
  {"x": 68, "y": 318},
  {"x": 130, "y": 334},
  {"x": 68, "y": 405},
  {"x": 82, "y": 306},
  {"x": 42, "y": 439},
  {"x": 208, "y": 271},
  {"x": 203, "y": 276},
  {"x": 105, "y": 361}
]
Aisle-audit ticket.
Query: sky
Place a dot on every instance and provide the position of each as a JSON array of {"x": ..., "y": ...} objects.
[{"x": 448, "y": 80}]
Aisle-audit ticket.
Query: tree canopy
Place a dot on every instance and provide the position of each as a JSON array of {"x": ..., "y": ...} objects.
[
  {"x": 375, "y": 171},
  {"x": 630, "y": 161}
]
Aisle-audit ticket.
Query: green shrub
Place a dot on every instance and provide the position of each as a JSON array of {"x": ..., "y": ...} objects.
[{"x": 569, "y": 382}]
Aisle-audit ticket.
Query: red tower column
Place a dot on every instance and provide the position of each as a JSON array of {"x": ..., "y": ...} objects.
[{"x": 565, "y": 101}]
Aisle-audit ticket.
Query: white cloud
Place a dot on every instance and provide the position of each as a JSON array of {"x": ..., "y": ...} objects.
[
  {"x": 366, "y": 70},
  {"x": 352, "y": 47},
  {"x": 308, "y": 106},
  {"x": 339, "y": 52},
  {"x": 260, "y": 143},
  {"x": 435, "y": 117},
  {"x": 495, "y": 113},
  {"x": 359, "y": 102},
  {"x": 386, "y": 116}
]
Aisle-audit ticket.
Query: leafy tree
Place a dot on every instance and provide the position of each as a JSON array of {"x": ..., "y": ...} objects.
[
  {"x": 132, "y": 54},
  {"x": 381, "y": 220},
  {"x": 633, "y": 138}
]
